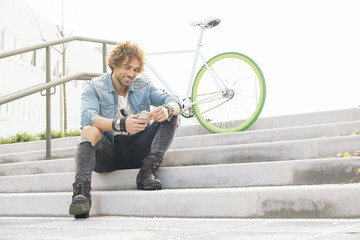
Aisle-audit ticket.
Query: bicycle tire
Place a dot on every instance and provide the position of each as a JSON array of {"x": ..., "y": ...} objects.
[{"x": 232, "y": 113}]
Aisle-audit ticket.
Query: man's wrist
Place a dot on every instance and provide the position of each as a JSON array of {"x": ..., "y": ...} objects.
[
  {"x": 119, "y": 125},
  {"x": 170, "y": 110},
  {"x": 116, "y": 124}
]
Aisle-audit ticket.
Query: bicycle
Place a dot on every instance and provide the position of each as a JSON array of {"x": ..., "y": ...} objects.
[{"x": 228, "y": 92}]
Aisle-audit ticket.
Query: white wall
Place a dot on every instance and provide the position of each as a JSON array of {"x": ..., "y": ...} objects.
[{"x": 20, "y": 26}]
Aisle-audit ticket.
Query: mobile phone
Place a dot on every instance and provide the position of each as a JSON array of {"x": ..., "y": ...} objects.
[{"x": 144, "y": 115}]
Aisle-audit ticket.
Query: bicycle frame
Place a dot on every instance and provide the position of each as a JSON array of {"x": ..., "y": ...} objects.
[{"x": 187, "y": 103}]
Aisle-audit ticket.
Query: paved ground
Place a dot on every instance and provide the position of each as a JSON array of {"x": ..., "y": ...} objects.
[{"x": 177, "y": 228}]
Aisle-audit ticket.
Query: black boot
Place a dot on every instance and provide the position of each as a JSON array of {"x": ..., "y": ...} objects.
[
  {"x": 81, "y": 199},
  {"x": 147, "y": 176}
]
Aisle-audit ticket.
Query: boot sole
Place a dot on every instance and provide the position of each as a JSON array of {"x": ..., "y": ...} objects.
[
  {"x": 150, "y": 187},
  {"x": 79, "y": 210},
  {"x": 82, "y": 216}
]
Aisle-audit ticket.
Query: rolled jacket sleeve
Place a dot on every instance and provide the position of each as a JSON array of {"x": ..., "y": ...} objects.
[
  {"x": 159, "y": 97},
  {"x": 90, "y": 106}
]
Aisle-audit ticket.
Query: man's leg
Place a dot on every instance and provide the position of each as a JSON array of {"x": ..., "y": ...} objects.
[
  {"x": 159, "y": 136},
  {"x": 85, "y": 161}
]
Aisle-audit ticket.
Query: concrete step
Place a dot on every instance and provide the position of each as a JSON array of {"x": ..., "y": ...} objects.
[
  {"x": 279, "y": 128},
  {"x": 267, "y": 135},
  {"x": 38, "y": 145},
  {"x": 58, "y": 153},
  {"x": 297, "y": 172},
  {"x": 304, "y": 119},
  {"x": 38, "y": 167},
  {"x": 260, "y": 152},
  {"x": 55, "y": 143},
  {"x": 294, "y": 120},
  {"x": 63, "y": 142},
  {"x": 317, "y": 201},
  {"x": 285, "y": 136}
]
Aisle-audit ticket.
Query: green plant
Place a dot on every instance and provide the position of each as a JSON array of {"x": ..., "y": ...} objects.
[
  {"x": 344, "y": 154},
  {"x": 72, "y": 133},
  {"x": 19, "y": 137},
  {"x": 54, "y": 134},
  {"x": 27, "y": 137},
  {"x": 356, "y": 132}
]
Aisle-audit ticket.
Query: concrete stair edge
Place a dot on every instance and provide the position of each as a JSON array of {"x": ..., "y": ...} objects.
[
  {"x": 267, "y": 135},
  {"x": 346, "y": 115},
  {"x": 263, "y": 135},
  {"x": 299, "y": 172},
  {"x": 37, "y": 145},
  {"x": 272, "y": 151},
  {"x": 316, "y": 201},
  {"x": 310, "y": 118},
  {"x": 37, "y": 167},
  {"x": 282, "y": 150},
  {"x": 292, "y": 120}
]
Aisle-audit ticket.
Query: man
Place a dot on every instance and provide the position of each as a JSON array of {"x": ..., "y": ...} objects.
[{"x": 113, "y": 137}]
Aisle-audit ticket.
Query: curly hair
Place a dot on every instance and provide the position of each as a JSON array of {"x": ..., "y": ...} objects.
[{"x": 126, "y": 51}]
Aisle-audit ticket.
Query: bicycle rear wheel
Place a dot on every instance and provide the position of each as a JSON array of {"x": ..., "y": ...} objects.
[{"x": 234, "y": 103}]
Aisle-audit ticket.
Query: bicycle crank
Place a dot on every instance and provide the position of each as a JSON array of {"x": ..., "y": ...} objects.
[{"x": 188, "y": 112}]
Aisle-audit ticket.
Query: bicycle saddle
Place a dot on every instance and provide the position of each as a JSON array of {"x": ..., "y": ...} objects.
[{"x": 207, "y": 23}]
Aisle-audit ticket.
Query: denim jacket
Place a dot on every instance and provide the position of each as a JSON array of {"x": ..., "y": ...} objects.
[{"x": 99, "y": 98}]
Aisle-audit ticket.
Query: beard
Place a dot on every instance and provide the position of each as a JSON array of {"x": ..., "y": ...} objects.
[{"x": 124, "y": 80}]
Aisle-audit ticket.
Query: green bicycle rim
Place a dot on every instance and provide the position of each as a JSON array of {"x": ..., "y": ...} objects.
[{"x": 260, "y": 104}]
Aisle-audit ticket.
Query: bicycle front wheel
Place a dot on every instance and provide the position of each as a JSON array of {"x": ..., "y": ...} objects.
[{"x": 229, "y": 93}]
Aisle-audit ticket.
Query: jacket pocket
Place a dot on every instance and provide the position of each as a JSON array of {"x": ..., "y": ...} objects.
[{"x": 106, "y": 109}]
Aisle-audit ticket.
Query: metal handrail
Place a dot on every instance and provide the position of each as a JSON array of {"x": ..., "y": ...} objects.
[
  {"x": 43, "y": 86},
  {"x": 46, "y": 86},
  {"x": 52, "y": 43}
]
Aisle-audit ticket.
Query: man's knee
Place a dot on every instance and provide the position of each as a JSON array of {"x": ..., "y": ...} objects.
[{"x": 92, "y": 133}]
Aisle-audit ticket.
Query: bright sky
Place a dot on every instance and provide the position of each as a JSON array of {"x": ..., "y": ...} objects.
[{"x": 308, "y": 50}]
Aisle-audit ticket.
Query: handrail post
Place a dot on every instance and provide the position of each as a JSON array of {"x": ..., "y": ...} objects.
[
  {"x": 104, "y": 58},
  {"x": 48, "y": 106},
  {"x": 34, "y": 58}
]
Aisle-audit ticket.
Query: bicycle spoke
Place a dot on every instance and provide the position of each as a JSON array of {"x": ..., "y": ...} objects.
[
  {"x": 205, "y": 94},
  {"x": 214, "y": 107}
]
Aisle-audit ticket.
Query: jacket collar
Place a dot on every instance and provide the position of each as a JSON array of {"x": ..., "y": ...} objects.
[
  {"x": 131, "y": 87},
  {"x": 110, "y": 85}
]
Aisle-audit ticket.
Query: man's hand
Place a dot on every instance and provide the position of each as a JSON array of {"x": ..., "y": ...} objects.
[
  {"x": 159, "y": 114},
  {"x": 135, "y": 125}
]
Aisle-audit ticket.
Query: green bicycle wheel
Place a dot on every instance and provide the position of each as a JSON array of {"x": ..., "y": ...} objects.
[{"x": 234, "y": 102}]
